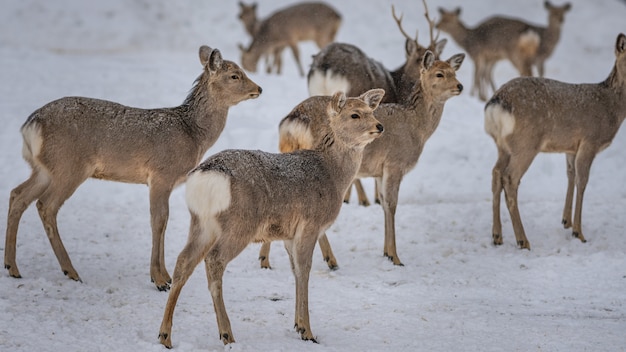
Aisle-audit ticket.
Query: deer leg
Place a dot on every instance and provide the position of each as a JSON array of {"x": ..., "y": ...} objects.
[
  {"x": 477, "y": 78},
  {"x": 584, "y": 158},
  {"x": 389, "y": 197},
  {"x": 159, "y": 213},
  {"x": 496, "y": 188},
  {"x": 188, "y": 259},
  {"x": 569, "y": 196},
  {"x": 327, "y": 252},
  {"x": 278, "y": 60},
  {"x": 346, "y": 196},
  {"x": 489, "y": 77},
  {"x": 361, "y": 193},
  {"x": 264, "y": 255},
  {"x": 296, "y": 56},
  {"x": 300, "y": 251},
  {"x": 48, "y": 206},
  {"x": 511, "y": 176},
  {"x": 21, "y": 197}
]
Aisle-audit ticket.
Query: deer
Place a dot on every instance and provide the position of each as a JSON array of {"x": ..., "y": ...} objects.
[
  {"x": 305, "y": 21},
  {"x": 342, "y": 66},
  {"x": 75, "y": 138},
  {"x": 236, "y": 197},
  {"x": 579, "y": 120},
  {"x": 492, "y": 40},
  {"x": 550, "y": 35},
  {"x": 407, "y": 128},
  {"x": 248, "y": 16}
]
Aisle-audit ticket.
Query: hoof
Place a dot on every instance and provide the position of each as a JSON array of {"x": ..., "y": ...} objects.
[{"x": 497, "y": 239}]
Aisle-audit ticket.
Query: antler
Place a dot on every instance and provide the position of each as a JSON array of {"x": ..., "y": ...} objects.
[
  {"x": 399, "y": 22},
  {"x": 431, "y": 25}
]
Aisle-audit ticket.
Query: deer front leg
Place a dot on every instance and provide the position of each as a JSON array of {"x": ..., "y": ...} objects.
[
  {"x": 569, "y": 196},
  {"x": 300, "y": 252},
  {"x": 296, "y": 56},
  {"x": 583, "y": 161},
  {"x": 361, "y": 193},
  {"x": 159, "y": 214},
  {"x": 389, "y": 198}
]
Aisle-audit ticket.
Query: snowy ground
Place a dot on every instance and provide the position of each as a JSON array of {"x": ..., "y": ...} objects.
[{"x": 456, "y": 292}]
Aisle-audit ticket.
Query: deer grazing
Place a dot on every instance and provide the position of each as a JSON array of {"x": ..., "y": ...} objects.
[
  {"x": 314, "y": 21},
  {"x": 407, "y": 128},
  {"x": 498, "y": 38},
  {"x": 247, "y": 15},
  {"x": 75, "y": 138},
  {"x": 579, "y": 120},
  {"x": 236, "y": 197}
]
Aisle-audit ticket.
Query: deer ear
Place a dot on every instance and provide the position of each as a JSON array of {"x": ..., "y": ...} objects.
[
  {"x": 215, "y": 61},
  {"x": 373, "y": 97},
  {"x": 457, "y": 11},
  {"x": 620, "y": 45},
  {"x": 337, "y": 102},
  {"x": 410, "y": 46},
  {"x": 439, "y": 46},
  {"x": 205, "y": 54},
  {"x": 428, "y": 59},
  {"x": 456, "y": 61}
]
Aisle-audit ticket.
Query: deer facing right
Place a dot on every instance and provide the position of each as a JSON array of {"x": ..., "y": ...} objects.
[
  {"x": 579, "y": 120},
  {"x": 237, "y": 196}
]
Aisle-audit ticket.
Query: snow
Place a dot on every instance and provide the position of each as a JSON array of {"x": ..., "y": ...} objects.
[{"x": 456, "y": 292}]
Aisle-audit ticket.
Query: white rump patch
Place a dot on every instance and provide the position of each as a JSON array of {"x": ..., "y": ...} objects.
[
  {"x": 327, "y": 84},
  {"x": 499, "y": 123},
  {"x": 529, "y": 42},
  {"x": 296, "y": 130},
  {"x": 31, "y": 133},
  {"x": 207, "y": 193}
]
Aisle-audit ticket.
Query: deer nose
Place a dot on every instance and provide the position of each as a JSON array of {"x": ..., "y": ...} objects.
[
  {"x": 260, "y": 90},
  {"x": 460, "y": 86},
  {"x": 379, "y": 127}
]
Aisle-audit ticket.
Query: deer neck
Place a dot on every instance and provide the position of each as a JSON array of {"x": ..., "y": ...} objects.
[
  {"x": 551, "y": 36},
  {"x": 616, "y": 84},
  {"x": 428, "y": 110},
  {"x": 461, "y": 34},
  {"x": 342, "y": 161}
]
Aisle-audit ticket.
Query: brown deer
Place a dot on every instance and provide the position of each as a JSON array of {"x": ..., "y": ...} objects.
[
  {"x": 237, "y": 196},
  {"x": 344, "y": 67},
  {"x": 407, "y": 128},
  {"x": 494, "y": 39},
  {"x": 74, "y": 138},
  {"x": 579, "y": 120},
  {"x": 550, "y": 35},
  {"x": 247, "y": 15},
  {"x": 314, "y": 21}
]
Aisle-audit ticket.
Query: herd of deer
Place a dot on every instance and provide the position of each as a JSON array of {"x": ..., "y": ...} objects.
[{"x": 362, "y": 120}]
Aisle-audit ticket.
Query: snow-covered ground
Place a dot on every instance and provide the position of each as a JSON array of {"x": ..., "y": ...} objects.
[{"x": 456, "y": 292}]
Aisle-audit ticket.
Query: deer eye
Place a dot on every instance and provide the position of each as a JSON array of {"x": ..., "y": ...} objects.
[
  {"x": 355, "y": 116},
  {"x": 234, "y": 77},
  {"x": 439, "y": 74}
]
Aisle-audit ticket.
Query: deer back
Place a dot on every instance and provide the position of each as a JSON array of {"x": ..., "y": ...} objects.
[{"x": 563, "y": 115}]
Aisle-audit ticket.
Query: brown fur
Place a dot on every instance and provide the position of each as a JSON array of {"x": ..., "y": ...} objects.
[
  {"x": 75, "y": 138},
  {"x": 579, "y": 120}
]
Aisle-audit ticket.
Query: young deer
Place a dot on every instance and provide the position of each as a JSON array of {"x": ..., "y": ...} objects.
[
  {"x": 248, "y": 17},
  {"x": 495, "y": 39},
  {"x": 305, "y": 21},
  {"x": 407, "y": 128},
  {"x": 236, "y": 197},
  {"x": 344, "y": 67},
  {"x": 579, "y": 120},
  {"x": 74, "y": 138}
]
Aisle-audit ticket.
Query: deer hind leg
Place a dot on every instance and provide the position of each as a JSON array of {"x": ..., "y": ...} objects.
[
  {"x": 48, "y": 206},
  {"x": 389, "y": 200},
  {"x": 264, "y": 255},
  {"x": 569, "y": 196},
  {"x": 296, "y": 56},
  {"x": 496, "y": 188},
  {"x": 327, "y": 252},
  {"x": 159, "y": 214},
  {"x": 300, "y": 251},
  {"x": 197, "y": 246},
  {"x": 511, "y": 176},
  {"x": 584, "y": 158},
  {"x": 21, "y": 197},
  {"x": 361, "y": 193}
]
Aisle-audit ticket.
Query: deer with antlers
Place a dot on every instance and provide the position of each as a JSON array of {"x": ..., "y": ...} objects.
[{"x": 579, "y": 120}]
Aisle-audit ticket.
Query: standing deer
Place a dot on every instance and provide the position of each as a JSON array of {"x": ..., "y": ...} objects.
[
  {"x": 407, "y": 128},
  {"x": 550, "y": 35},
  {"x": 75, "y": 138},
  {"x": 314, "y": 21},
  {"x": 579, "y": 120},
  {"x": 494, "y": 39},
  {"x": 236, "y": 197}
]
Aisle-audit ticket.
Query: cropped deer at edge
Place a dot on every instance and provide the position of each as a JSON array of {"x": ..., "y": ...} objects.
[
  {"x": 239, "y": 196},
  {"x": 579, "y": 120},
  {"x": 75, "y": 138},
  {"x": 388, "y": 159},
  {"x": 314, "y": 21}
]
